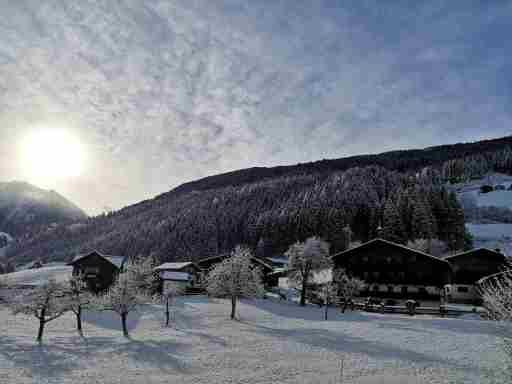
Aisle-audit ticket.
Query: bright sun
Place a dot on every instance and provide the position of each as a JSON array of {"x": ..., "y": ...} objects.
[{"x": 51, "y": 154}]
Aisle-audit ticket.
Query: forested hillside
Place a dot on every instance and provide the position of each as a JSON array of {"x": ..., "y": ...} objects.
[
  {"x": 269, "y": 209},
  {"x": 25, "y": 209}
]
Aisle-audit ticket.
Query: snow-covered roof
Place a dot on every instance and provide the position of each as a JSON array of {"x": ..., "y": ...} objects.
[
  {"x": 278, "y": 260},
  {"x": 175, "y": 266},
  {"x": 117, "y": 261},
  {"x": 175, "y": 276}
]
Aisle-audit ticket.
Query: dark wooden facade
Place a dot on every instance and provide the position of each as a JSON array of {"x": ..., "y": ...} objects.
[
  {"x": 265, "y": 268},
  {"x": 99, "y": 270},
  {"x": 469, "y": 267},
  {"x": 393, "y": 270}
]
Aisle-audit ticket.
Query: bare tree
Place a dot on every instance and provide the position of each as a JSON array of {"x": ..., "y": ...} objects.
[
  {"x": 234, "y": 278},
  {"x": 497, "y": 295},
  {"x": 79, "y": 299},
  {"x": 347, "y": 287},
  {"x": 46, "y": 302},
  {"x": 304, "y": 259}
]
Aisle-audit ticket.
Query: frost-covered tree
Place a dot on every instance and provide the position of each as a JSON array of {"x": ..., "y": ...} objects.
[
  {"x": 497, "y": 295},
  {"x": 304, "y": 259},
  {"x": 347, "y": 287},
  {"x": 327, "y": 290},
  {"x": 131, "y": 289},
  {"x": 142, "y": 272},
  {"x": 235, "y": 278},
  {"x": 79, "y": 298},
  {"x": 46, "y": 303},
  {"x": 434, "y": 247}
]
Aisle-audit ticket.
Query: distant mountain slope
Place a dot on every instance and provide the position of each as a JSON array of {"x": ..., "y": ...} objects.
[
  {"x": 25, "y": 208},
  {"x": 401, "y": 161},
  {"x": 405, "y": 192}
]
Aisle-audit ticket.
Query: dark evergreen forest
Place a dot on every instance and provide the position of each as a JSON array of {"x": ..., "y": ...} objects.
[{"x": 400, "y": 196}]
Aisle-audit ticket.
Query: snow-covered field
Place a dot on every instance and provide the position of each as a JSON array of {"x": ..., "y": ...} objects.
[
  {"x": 59, "y": 272},
  {"x": 272, "y": 343}
]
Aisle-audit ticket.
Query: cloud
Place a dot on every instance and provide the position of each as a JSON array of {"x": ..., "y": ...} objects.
[{"x": 166, "y": 92}]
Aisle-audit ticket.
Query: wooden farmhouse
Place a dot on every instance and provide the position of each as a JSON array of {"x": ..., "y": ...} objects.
[
  {"x": 265, "y": 268},
  {"x": 394, "y": 271},
  {"x": 185, "y": 274},
  {"x": 470, "y": 267},
  {"x": 99, "y": 270}
]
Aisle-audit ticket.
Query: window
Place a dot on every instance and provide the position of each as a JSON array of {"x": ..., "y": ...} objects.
[
  {"x": 423, "y": 291},
  {"x": 404, "y": 290},
  {"x": 463, "y": 289},
  {"x": 375, "y": 288},
  {"x": 390, "y": 289}
]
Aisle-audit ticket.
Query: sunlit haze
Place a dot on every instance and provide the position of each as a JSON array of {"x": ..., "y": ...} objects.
[
  {"x": 156, "y": 93},
  {"x": 49, "y": 155}
]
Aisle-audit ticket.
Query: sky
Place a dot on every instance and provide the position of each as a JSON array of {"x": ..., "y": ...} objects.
[{"x": 159, "y": 93}]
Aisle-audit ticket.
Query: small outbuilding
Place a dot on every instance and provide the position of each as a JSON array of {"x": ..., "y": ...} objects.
[
  {"x": 184, "y": 274},
  {"x": 99, "y": 270}
]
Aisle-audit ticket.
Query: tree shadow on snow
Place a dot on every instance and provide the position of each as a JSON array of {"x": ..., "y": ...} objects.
[
  {"x": 309, "y": 312},
  {"x": 40, "y": 359},
  {"x": 342, "y": 343}
]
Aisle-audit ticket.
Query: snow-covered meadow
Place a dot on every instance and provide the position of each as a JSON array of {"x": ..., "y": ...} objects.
[{"x": 274, "y": 342}]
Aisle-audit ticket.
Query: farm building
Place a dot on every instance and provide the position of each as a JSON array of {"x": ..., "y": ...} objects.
[
  {"x": 99, "y": 270},
  {"x": 185, "y": 274},
  {"x": 470, "y": 267},
  {"x": 266, "y": 268},
  {"x": 394, "y": 271}
]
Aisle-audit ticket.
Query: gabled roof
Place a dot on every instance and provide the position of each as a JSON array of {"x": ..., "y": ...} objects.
[
  {"x": 175, "y": 266},
  {"x": 387, "y": 242},
  {"x": 476, "y": 250},
  {"x": 117, "y": 261},
  {"x": 226, "y": 255}
]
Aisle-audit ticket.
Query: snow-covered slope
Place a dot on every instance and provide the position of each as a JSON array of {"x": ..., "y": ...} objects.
[
  {"x": 272, "y": 343},
  {"x": 39, "y": 276},
  {"x": 489, "y": 235}
]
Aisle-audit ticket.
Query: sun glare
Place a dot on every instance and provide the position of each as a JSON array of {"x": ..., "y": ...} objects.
[{"x": 51, "y": 154}]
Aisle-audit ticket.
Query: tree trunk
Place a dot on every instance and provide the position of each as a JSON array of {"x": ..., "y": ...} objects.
[
  {"x": 167, "y": 314},
  {"x": 41, "y": 331},
  {"x": 125, "y": 328},
  {"x": 233, "y": 307},
  {"x": 345, "y": 305},
  {"x": 303, "y": 293},
  {"x": 79, "y": 321},
  {"x": 41, "y": 325},
  {"x": 326, "y": 310}
]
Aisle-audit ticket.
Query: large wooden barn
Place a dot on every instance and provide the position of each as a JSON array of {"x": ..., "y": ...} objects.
[
  {"x": 394, "y": 271},
  {"x": 99, "y": 270},
  {"x": 468, "y": 268}
]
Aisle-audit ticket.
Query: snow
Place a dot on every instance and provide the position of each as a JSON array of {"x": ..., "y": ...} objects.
[
  {"x": 39, "y": 276},
  {"x": 175, "y": 266},
  {"x": 274, "y": 342},
  {"x": 492, "y": 236},
  {"x": 175, "y": 276}
]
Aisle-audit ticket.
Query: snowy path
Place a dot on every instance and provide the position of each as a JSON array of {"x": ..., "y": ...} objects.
[{"x": 273, "y": 343}]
